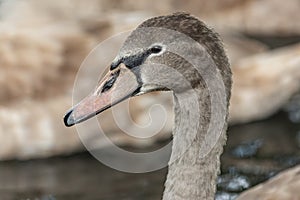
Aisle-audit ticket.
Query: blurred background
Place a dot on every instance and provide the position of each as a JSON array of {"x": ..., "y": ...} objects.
[{"x": 42, "y": 45}]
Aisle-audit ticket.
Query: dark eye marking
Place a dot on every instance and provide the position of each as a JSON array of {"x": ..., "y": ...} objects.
[
  {"x": 110, "y": 82},
  {"x": 135, "y": 60},
  {"x": 114, "y": 65},
  {"x": 156, "y": 49},
  {"x": 132, "y": 61}
]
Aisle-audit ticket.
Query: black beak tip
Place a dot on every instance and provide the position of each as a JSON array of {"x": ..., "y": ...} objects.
[{"x": 68, "y": 119}]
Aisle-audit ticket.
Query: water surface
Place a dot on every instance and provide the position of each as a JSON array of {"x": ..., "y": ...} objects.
[{"x": 255, "y": 152}]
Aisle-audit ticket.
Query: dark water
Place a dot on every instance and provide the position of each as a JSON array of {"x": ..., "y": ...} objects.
[{"x": 255, "y": 152}]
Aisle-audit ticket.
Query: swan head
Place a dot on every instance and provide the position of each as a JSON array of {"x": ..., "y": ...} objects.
[{"x": 154, "y": 58}]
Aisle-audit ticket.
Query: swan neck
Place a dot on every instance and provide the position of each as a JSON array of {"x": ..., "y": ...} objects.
[{"x": 193, "y": 172}]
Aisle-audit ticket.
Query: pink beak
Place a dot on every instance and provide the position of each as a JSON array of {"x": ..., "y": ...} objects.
[{"x": 116, "y": 86}]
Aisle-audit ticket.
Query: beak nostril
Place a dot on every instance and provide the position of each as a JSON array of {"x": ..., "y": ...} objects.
[{"x": 108, "y": 84}]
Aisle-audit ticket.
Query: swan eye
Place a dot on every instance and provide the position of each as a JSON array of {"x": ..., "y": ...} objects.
[{"x": 156, "y": 49}]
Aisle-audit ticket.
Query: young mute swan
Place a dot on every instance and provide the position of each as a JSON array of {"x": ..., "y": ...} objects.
[{"x": 157, "y": 56}]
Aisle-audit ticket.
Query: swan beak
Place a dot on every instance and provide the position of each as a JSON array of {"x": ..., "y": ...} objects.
[{"x": 115, "y": 87}]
